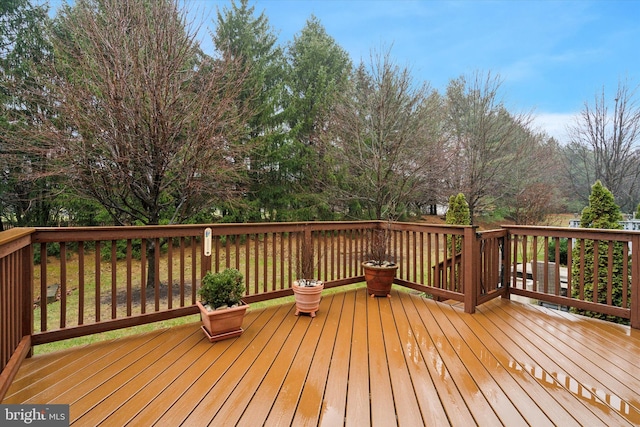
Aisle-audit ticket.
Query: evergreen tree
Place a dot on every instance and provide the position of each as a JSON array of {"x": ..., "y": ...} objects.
[
  {"x": 317, "y": 73},
  {"x": 457, "y": 214},
  {"x": 603, "y": 213},
  {"x": 242, "y": 34},
  {"x": 27, "y": 193}
]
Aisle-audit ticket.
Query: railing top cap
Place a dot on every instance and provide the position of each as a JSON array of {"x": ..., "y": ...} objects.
[{"x": 14, "y": 234}]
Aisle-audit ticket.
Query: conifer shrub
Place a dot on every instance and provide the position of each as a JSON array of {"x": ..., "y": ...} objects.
[
  {"x": 457, "y": 214},
  {"x": 602, "y": 213}
]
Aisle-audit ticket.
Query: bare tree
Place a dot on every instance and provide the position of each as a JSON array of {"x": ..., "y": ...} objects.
[
  {"x": 139, "y": 119},
  {"x": 531, "y": 190},
  {"x": 385, "y": 132},
  {"x": 605, "y": 145},
  {"x": 485, "y": 141},
  {"x": 143, "y": 122}
]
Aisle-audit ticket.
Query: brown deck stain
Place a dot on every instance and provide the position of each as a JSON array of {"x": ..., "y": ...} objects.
[{"x": 401, "y": 361}]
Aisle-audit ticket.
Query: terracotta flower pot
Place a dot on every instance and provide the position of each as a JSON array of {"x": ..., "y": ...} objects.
[
  {"x": 307, "y": 298},
  {"x": 379, "y": 279},
  {"x": 221, "y": 324}
]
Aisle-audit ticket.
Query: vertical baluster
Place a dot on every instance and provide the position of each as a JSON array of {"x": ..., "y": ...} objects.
[
  {"x": 625, "y": 275},
  {"x": 156, "y": 271},
  {"x": 610, "y": 273},
  {"x": 524, "y": 260},
  {"x": 570, "y": 268},
  {"x": 182, "y": 271},
  {"x": 129, "y": 260},
  {"x": 228, "y": 250},
  {"x": 81, "y": 293},
  {"x": 247, "y": 258},
  {"x": 43, "y": 287},
  {"x": 143, "y": 276},
  {"x": 282, "y": 260},
  {"x": 194, "y": 269},
  {"x": 169, "y": 273},
  {"x": 114, "y": 285},
  {"x": 265, "y": 266},
  {"x": 332, "y": 254},
  {"x": 596, "y": 272},
  {"x": 274, "y": 265},
  {"x": 216, "y": 249},
  {"x": 63, "y": 285},
  {"x": 237, "y": 257},
  {"x": 97, "y": 295}
]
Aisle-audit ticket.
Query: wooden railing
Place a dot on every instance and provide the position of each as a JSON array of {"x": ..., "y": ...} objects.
[
  {"x": 114, "y": 277},
  {"x": 16, "y": 266},
  {"x": 105, "y": 278},
  {"x": 609, "y": 287},
  {"x": 452, "y": 263},
  {"x": 491, "y": 263}
]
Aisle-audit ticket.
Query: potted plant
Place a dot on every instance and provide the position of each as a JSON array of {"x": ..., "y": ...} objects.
[
  {"x": 306, "y": 290},
  {"x": 220, "y": 304},
  {"x": 379, "y": 269}
]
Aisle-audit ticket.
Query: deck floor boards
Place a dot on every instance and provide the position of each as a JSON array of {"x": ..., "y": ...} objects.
[
  {"x": 404, "y": 361},
  {"x": 497, "y": 384},
  {"x": 335, "y": 395},
  {"x": 383, "y": 411},
  {"x": 587, "y": 356},
  {"x": 310, "y": 402},
  {"x": 554, "y": 413},
  {"x": 358, "y": 402},
  {"x": 552, "y": 369},
  {"x": 406, "y": 403}
]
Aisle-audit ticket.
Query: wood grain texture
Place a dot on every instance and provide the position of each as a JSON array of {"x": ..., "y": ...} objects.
[{"x": 403, "y": 361}]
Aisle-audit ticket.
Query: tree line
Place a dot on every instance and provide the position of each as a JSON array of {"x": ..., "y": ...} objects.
[{"x": 112, "y": 113}]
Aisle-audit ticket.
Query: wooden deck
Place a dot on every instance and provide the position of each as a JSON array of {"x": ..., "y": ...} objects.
[{"x": 405, "y": 361}]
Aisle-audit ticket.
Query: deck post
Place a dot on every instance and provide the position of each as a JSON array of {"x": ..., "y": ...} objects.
[
  {"x": 505, "y": 275},
  {"x": 470, "y": 266},
  {"x": 635, "y": 282}
]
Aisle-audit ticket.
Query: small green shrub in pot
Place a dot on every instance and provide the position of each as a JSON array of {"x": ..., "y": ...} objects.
[{"x": 223, "y": 289}]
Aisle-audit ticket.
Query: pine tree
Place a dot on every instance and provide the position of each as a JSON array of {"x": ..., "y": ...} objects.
[
  {"x": 317, "y": 72},
  {"x": 244, "y": 34},
  {"x": 603, "y": 213},
  {"x": 458, "y": 212}
]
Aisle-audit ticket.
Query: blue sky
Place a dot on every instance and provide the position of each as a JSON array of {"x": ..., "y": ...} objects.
[{"x": 553, "y": 56}]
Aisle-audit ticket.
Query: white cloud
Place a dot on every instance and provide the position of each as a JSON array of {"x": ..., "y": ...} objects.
[{"x": 555, "y": 124}]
